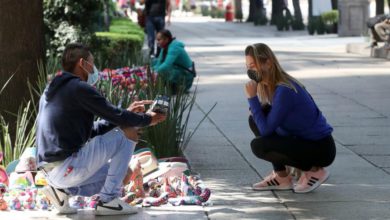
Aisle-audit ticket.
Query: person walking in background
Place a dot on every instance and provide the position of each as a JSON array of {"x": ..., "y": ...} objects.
[
  {"x": 290, "y": 130},
  {"x": 174, "y": 64},
  {"x": 155, "y": 11}
]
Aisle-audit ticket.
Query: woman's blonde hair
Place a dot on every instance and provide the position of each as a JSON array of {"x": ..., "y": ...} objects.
[{"x": 275, "y": 76}]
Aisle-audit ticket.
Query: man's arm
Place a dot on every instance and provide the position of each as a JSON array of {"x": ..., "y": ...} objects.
[{"x": 93, "y": 102}]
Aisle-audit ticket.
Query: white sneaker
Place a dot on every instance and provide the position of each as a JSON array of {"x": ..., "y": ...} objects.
[
  {"x": 115, "y": 207},
  {"x": 59, "y": 199}
]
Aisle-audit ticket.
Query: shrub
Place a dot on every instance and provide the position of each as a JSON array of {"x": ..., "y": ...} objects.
[
  {"x": 121, "y": 46},
  {"x": 330, "y": 17},
  {"x": 69, "y": 21},
  {"x": 316, "y": 24}
]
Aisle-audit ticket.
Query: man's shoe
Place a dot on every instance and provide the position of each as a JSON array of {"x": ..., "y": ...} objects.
[
  {"x": 59, "y": 199},
  {"x": 115, "y": 207},
  {"x": 374, "y": 44},
  {"x": 274, "y": 182}
]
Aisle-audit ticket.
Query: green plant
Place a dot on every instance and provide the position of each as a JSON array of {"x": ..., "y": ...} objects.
[
  {"x": 320, "y": 26},
  {"x": 69, "y": 21},
  {"x": 330, "y": 20},
  {"x": 167, "y": 138},
  {"x": 330, "y": 17},
  {"x": 117, "y": 93},
  {"x": 205, "y": 11},
  {"x": 316, "y": 24},
  {"x": 24, "y": 137},
  {"x": 6, "y": 83}
]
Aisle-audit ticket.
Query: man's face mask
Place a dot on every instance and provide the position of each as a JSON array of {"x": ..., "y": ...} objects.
[
  {"x": 254, "y": 75},
  {"x": 94, "y": 76}
]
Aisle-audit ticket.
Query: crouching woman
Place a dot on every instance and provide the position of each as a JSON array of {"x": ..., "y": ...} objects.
[{"x": 290, "y": 130}]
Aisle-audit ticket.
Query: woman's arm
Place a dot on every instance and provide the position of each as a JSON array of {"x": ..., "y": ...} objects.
[
  {"x": 171, "y": 57},
  {"x": 282, "y": 104}
]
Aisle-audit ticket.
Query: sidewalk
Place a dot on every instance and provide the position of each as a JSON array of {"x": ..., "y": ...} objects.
[{"x": 351, "y": 90}]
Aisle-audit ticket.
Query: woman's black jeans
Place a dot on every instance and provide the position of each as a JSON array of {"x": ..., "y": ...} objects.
[{"x": 292, "y": 151}]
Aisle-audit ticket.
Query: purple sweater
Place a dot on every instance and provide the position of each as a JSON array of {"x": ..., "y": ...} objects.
[{"x": 292, "y": 114}]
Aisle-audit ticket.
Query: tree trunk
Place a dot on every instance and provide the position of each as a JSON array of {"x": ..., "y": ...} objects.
[
  {"x": 106, "y": 15},
  {"x": 277, "y": 10},
  {"x": 252, "y": 11},
  {"x": 380, "y": 7},
  {"x": 298, "y": 21},
  {"x": 334, "y": 4},
  {"x": 238, "y": 10},
  {"x": 21, "y": 46},
  {"x": 310, "y": 9},
  {"x": 297, "y": 10},
  {"x": 256, "y": 10}
]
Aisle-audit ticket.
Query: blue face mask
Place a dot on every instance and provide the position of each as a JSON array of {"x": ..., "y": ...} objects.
[{"x": 93, "y": 77}]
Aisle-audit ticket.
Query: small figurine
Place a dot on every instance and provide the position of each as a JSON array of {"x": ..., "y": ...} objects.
[
  {"x": 78, "y": 202},
  {"x": 150, "y": 201},
  {"x": 3, "y": 203}
]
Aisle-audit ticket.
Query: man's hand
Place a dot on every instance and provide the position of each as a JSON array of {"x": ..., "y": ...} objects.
[
  {"x": 251, "y": 89},
  {"x": 139, "y": 106},
  {"x": 132, "y": 133},
  {"x": 156, "y": 117}
]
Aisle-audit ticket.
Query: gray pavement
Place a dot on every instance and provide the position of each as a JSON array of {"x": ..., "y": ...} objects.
[{"x": 351, "y": 90}]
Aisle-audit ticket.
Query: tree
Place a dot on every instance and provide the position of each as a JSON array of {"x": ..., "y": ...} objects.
[
  {"x": 380, "y": 7},
  {"x": 256, "y": 10},
  {"x": 21, "y": 46},
  {"x": 310, "y": 3},
  {"x": 298, "y": 21},
  {"x": 334, "y": 4},
  {"x": 238, "y": 10},
  {"x": 277, "y": 11}
]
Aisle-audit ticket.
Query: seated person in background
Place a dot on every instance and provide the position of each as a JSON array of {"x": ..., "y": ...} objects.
[
  {"x": 173, "y": 63},
  {"x": 379, "y": 28}
]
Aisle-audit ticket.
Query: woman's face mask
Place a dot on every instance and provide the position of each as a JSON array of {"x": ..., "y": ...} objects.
[{"x": 254, "y": 75}]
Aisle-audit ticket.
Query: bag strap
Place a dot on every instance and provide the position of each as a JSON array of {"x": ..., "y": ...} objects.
[{"x": 188, "y": 69}]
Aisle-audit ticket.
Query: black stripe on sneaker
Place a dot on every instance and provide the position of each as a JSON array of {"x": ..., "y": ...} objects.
[
  {"x": 277, "y": 183},
  {"x": 269, "y": 183},
  {"x": 61, "y": 203},
  {"x": 314, "y": 178},
  {"x": 312, "y": 181},
  {"x": 118, "y": 208}
]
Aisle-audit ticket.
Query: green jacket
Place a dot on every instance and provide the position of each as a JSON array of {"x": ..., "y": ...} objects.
[{"x": 169, "y": 69}]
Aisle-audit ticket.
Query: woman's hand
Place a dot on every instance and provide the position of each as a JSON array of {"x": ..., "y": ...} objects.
[{"x": 251, "y": 89}]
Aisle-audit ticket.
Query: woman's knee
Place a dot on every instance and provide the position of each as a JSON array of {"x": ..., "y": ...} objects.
[
  {"x": 258, "y": 147},
  {"x": 253, "y": 126}
]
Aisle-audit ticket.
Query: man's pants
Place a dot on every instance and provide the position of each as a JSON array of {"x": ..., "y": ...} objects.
[
  {"x": 98, "y": 167},
  {"x": 153, "y": 25}
]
